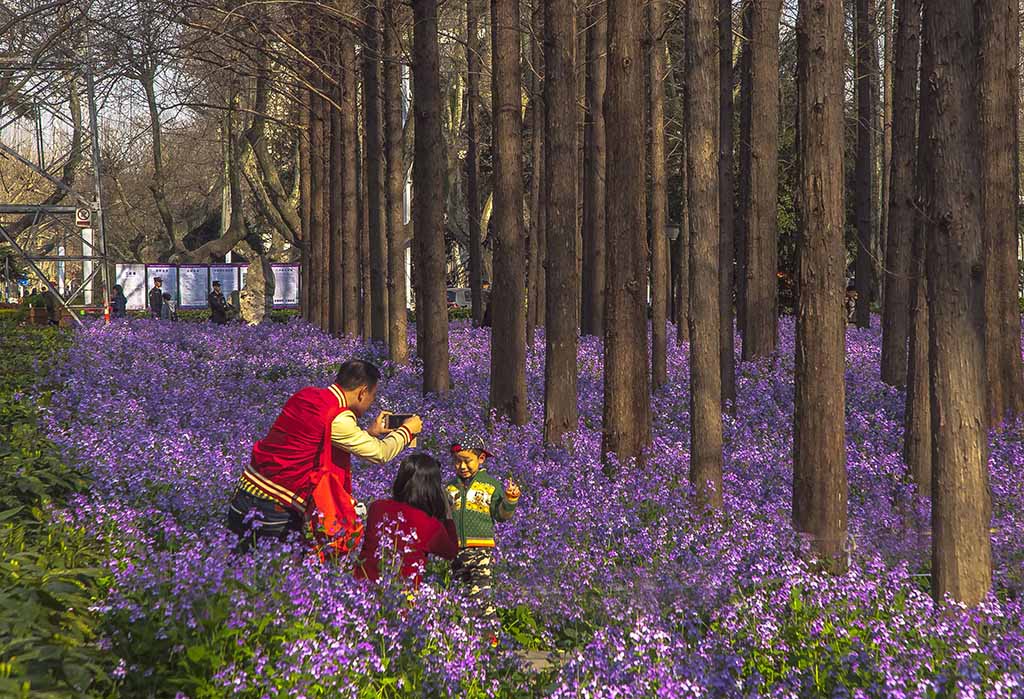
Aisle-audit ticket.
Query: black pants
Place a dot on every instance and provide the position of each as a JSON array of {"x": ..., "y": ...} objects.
[{"x": 270, "y": 520}]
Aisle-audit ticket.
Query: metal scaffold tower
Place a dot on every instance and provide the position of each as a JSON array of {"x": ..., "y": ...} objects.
[{"x": 51, "y": 204}]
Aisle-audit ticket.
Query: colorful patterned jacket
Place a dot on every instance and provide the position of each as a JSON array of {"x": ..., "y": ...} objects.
[{"x": 476, "y": 506}]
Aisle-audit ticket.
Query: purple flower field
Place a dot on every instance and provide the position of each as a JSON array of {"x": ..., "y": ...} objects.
[{"x": 642, "y": 596}]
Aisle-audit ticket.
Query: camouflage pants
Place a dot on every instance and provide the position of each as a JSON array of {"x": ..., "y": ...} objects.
[{"x": 472, "y": 569}]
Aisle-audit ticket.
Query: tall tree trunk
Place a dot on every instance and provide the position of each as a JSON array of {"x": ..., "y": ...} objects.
[
  {"x": 428, "y": 202},
  {"x": 681, "y": 245},
  {"x": 917, "y": 436},
  {"x": 819, "y": 444},
  {"x": 374, "y": 172},
  {"x": 1000, "y": 97},
  {"x": 336, "y": 203},
  {"x": 681, "y": 253},
  {"x": 473, "y": 48},
  {"x": 864, "y": 166},
  {"x": 896, "y": 306},
  {"x": 561, "y": 323},
  {"x": 395, "y": 213},
  {"x": 582, "y": 7},
  {"x": 659, "y": 195},
  {"x": 350, "y": 231},
  {"x": 508, "y": 307},
  {"x": 702, "y": 114},
  {"x": 627, "y": 418},
  {"x": 365, "y": 249},
  {"x": 746, "y": 156},
  {"x": 726, "y": 205},
  {"x": 761, "y": 236},
  {"x": 310, "y": 281},
  {"x": 534, "y": 311},
  {"x": 318, "y": 223},
  {"x": 594, "y": 264},
  {"x": 961, "y": 507},
  {"x": 886, "y": 132},
  {"x": 540, "y": 288}
]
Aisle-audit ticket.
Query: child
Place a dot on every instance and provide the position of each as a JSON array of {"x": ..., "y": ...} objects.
[
  {"x": 478, "y": 501},
  {"x": 419, "y": 497}
]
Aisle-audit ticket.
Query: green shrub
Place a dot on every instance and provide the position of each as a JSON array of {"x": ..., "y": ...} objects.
[
  {"x": 49, "y": 570},
  {"x": 13, "y": 315}
]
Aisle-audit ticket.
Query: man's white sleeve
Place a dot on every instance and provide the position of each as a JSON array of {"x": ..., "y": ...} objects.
[{"x": 347, "y": 434}]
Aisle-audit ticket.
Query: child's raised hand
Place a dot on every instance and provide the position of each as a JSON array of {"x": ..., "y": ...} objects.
[{"x": 512, "y": 490}]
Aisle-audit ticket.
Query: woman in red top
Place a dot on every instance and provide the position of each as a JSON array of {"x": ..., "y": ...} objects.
[{"x": 415, "y": 522}]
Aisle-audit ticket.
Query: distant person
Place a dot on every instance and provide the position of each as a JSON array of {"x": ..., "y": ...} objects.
[
  {"x": 417, "y": 519},
  {"x": 52, "y": 307},
  {"x": 167, "y": 309},
  {"x": 156, "y": 298},
  {"x": 119, "y": 303},
  {"x": 218, "y": 306},
  {"x": 850, "y": 303}
]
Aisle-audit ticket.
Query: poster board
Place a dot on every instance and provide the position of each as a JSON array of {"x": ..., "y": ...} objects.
[
  {"x": 243, "y": 270},
  {"x": 169, "y": 273},
  {"x": 193, "y": 285},
  {"x": 132, "y": 279},
  {"x": 227, "y": 275},
  {"x": 286, "y": 285}
]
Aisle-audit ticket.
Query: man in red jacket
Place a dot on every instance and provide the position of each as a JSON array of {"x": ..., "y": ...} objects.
[{"x": 314, "y": 437}]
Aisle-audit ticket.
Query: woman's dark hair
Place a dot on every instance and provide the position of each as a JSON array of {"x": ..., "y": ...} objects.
[
  {"x": 418, "y": 483},
  {"x": 117, "y": 287},
  {"x": 355, "y": 373}
]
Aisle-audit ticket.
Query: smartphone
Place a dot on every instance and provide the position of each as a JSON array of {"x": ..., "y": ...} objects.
[{"x": 394, "y": 420}]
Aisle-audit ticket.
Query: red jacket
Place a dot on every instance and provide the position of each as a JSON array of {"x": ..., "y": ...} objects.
[
  {"x": 289, "y": 462},
  {"x": 431, "y": 537}
]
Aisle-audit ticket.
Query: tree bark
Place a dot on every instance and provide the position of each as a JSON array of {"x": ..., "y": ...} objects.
[
  {"x": 318, "y": 215},
  {"x": 681, "y": 245},
  {"x": 659, "y": 194},
  {"x": 886, "y": 132},
  {"x": 595, "y": 150},
  {"x": 508, "y": 307},
  {"x": 336, "y": 261},
  {"x": 534, "y": 311},
  {"x": 428, "y": 202},
  {"x": 350, "y": 230},
  {"x": 365, "y": 250},
  {"x": 726, "y": 206},
  {"x": 310, "y": 281},
  {"x": 561, "y": 324},
  {"x": 374, "y": 172},
  {"x": 819, "y": 445},
  {"x": 627, "y": 421},
  {"x": 896, "y": 306},
  {"x": 473, "y": 49},
  {"x": 917, "y": 439},
  {"x": 702, "y": 112},
  {"x": 1000, "y": 94},
  {"x": 961, "y": 507},
  {"x": 745, "y": 158},
  {"x": 398, "y": 241},
  {"x": 761, "y": 236},
  {"x": 864, "y": 166}
]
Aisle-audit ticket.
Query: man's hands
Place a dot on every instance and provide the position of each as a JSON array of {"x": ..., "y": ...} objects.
[
  {"x": 414, "y": 425},
  {"x": 379, "y": 427},
  {"x": 512, "y": 490}
]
